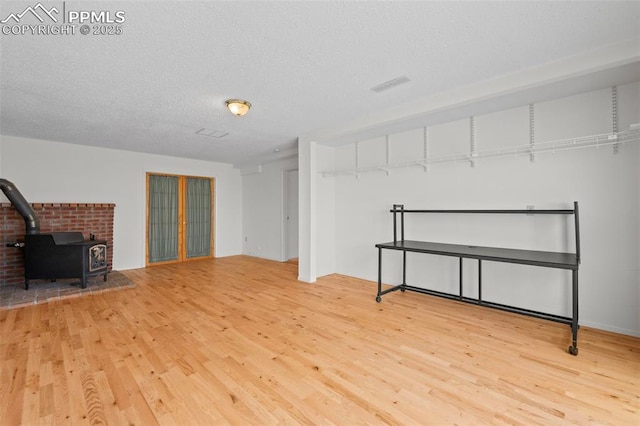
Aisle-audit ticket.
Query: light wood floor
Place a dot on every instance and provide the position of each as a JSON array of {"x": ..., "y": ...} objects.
[{"x": 239, "y": 341}]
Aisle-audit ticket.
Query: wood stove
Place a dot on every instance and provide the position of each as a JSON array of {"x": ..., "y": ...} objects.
[
  {"x": 55, "y": 255},
  {"x": 63, "y": 255}
]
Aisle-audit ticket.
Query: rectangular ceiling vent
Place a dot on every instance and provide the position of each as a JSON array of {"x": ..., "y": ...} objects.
[
  {"x": 390, "y": 84},
  {"x": 216, "y": 134}
]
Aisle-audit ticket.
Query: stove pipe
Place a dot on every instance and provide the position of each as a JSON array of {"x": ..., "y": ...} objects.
[{"x": 24, "y": 208}]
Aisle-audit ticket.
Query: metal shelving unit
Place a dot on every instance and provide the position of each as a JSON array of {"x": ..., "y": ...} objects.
[{"x": 557, "y": 260}]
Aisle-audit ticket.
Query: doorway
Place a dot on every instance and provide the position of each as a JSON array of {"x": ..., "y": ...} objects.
[
  {"x": 179, "y": 218},
  {"x": 291, "y": 214}
]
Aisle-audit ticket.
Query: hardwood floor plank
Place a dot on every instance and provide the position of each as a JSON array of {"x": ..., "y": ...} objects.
[{"x": 239, "y": 340}]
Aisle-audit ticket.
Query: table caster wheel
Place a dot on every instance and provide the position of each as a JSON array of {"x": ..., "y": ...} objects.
[
  {"x": 573, "y": 350},
  {"x": 378, "y": 299},
  {"x": 402, "y": 289}
]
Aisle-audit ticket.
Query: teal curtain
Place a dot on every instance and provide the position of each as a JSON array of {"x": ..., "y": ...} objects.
[
  {"x": 163, "y": 218},
  {"x": 198, "y": 206}
]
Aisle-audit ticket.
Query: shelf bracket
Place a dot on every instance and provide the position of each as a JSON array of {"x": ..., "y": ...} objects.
[
  {"x": 472, "y": 154},
  {"x": 532, "y": 139},
  {"x": 425, "y": 138},
  {"x": 388, "y": 154},
  {"x": 614, "y": 116},
  {"x": 386, "y": 170},
  {"x": 388, "y": 148},
  {"x": 424, "y": 164}
]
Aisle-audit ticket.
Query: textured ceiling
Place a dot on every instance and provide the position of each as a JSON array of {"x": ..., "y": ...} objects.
[{"x": 305, "y": 67}]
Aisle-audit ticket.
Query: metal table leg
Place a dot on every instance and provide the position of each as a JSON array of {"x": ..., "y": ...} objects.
[
  {"x": 404, "y": 271},
  {"x": 378, "y": 297},
  {"x": 460, "y": 274},
  {"x": 480, "y": 281},
  {"x": 573, "y": 349}
]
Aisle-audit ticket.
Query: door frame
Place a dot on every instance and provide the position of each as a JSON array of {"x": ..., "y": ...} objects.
[
  {"x": 182, "y": 185},
  {"x": 284, "y": 237}
]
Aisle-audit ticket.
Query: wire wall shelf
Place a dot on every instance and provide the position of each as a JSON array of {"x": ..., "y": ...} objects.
[{"x": 616, "y": 140}]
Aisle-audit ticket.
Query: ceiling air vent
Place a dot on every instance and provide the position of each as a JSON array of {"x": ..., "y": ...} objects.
[
  {"x": 390, "y": 84},
  {"x": 216, "y": 134}
]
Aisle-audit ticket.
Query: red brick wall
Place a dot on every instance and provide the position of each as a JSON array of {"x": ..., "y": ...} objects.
[{"x": 89, "y": 219}]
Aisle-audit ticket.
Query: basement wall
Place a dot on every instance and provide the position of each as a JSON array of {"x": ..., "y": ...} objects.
[
  {"x": 54, "y": 172},
  {"x": 606, "y": 185}
]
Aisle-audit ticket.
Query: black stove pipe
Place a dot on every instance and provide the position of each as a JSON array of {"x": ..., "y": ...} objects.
[{"x": 24, "y": 208}]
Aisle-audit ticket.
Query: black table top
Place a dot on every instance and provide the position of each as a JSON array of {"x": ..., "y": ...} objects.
[{"x": 526, "y": 257}]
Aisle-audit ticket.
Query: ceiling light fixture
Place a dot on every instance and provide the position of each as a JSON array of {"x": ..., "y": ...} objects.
[{"x": 238, "y": 106}]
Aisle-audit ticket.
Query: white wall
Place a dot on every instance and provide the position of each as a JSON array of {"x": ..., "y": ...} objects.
[
  {"x": 606, "y": 186},
  {"x": 326, "y": 214},
  {"x": 263, "y": 204},
  {"x": 307, "y": 200},
  {"x": 56, "y": 172}
]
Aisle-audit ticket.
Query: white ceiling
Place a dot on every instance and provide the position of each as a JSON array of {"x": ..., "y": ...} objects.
[{"x": 307, "y": 68}]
